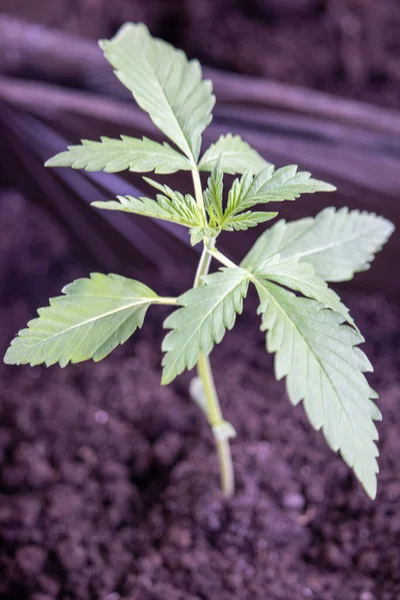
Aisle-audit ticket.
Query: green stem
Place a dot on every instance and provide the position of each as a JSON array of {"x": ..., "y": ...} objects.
[
  {"x": 198, "y": 191},
  {"x": 202, "y": 267},
  {"x": 214, "y": 413},
  {"x": 224, "y": 260},
  {"x": 215, "y": 419},
  {"x": 227, "y": 262},
  {"x": 164, "y": 300}
]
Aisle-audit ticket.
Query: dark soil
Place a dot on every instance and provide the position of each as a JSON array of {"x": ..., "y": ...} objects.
[
  {"x": 109, "y": 484},
  {"x": 347, "y": 47}
]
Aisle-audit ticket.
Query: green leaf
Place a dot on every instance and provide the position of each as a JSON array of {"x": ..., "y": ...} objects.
[
  {"x": 169, "y": 206},
  {"x": 323, "y": 366},
  {"x": 337, "y": 243},
  {"x": 243, "y": 221},
  {"x": 301, "y": 278},
  {"x": 220, "y": 219},
  {"x": 197, "y": 234},
  {"x": 164, "y": 84},
  {"x": 213, "y": 195},
  {"x": 236, "y": 156},
  {"x": 272, "y": 186},
  {"x": 89, "y": 321},
  {"x": 206, "y": 313},
  {"x": 140, "y": 156}
]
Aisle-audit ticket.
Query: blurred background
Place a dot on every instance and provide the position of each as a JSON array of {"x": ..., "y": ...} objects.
[
  {"x": 311, "y": 82},
  {"x": 87, "y": 467}
]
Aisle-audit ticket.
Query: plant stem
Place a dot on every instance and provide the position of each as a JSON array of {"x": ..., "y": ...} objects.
[
  {"x": 227, "y": 262},
  {"x": 215, "y": 419},
  {"x": 224, "y": 260},
  {"x": 164, "y": 300},
  {"x": 202, "y": 267},
  {"x": 214, "y": 413},
  {"x": 198, "y": 191}
]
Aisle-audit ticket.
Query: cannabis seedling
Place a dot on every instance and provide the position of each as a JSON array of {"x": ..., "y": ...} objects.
[{"x": 309, "y": 329}]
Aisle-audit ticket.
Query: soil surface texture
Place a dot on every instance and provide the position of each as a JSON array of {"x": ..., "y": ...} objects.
[
  {"x": 109, "y": 483},
  {"x": 347, "y": 47}
]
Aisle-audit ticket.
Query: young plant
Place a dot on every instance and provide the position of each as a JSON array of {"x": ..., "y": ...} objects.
[{"x": 311, "y": 332}]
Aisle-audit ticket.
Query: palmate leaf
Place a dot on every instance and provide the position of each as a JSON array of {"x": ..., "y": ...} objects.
[
  {"x": 93, "y": 317},
  {"x": 323, "y": 366},
  {"x": 235, "y": 155},
  {"x": 272, "y": 185},
  {"x": 337, "y": 243},
  {"x": 206, "y": 313},
  {"x": 169, "y": 206},
  {"x": 164, "y": 84},
  {"x": 112, "y": 156}
]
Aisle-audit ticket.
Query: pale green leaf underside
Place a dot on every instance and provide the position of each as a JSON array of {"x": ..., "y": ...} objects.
[
  {"x": 175, "y": 208},
  {"x": 323, "y": 366},
  {"x": 272, "y": 185},
  {"x": 93, "y": 317},
  {"x": 112, "y": 156},
  {"x": 301, "y": 278},
  {"x": 164, "y": 84},
  {"x": 337, "y": 243},
  {"x": 236, "y": 156},
  {"x": 206, "y": 313}
]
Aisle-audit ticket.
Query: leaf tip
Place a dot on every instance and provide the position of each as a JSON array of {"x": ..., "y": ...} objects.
[
  {"x": 53, "y": 161},
  {"x": 370, "y": 487},
  {"x": 13, "y": 355},
  {"x": 328, "y": 187},
  {"x": 324, "y": 186},
  {"x": 166, "y": 378},
  {"x": 9, "y": 359}
]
